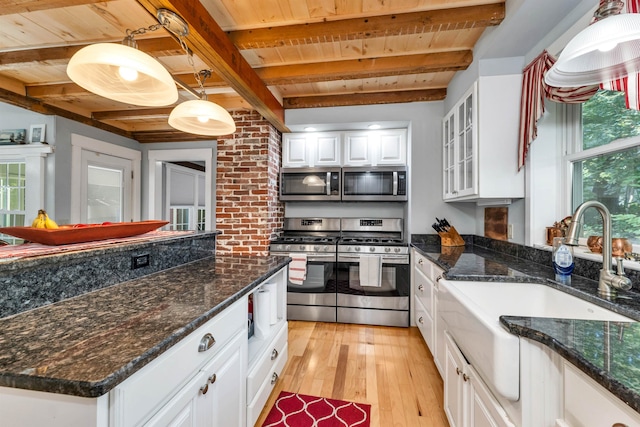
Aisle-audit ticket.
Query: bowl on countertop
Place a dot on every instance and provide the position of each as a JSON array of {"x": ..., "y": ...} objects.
[
  {"x": 620, "y": 245},
  {"x": 594, "y": 243}
]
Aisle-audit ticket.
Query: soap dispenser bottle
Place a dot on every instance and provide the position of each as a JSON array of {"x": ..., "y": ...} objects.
[{"x": 563, "y": 263}]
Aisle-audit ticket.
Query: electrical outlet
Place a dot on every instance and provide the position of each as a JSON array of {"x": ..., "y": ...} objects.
[
  {"x": 509, "y": 231},
  {"x": 139, "y": 261}
]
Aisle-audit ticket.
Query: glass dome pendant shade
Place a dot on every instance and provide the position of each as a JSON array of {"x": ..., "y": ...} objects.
[
  {"x": 606, "y": 50},
  {"x": 202, "y": 117},
  {"x": 124, "y": 74}
]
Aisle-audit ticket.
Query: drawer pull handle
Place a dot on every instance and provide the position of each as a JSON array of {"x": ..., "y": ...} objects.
[
  {"x": 421, "y": 288},
  {"x": 274, "y": 378},
  {"x": 204, "y": 389},
  {"x": 213, "y": 378},
  {"x": 206, "y": 342},
  {"x": 421, "y": 319},
  {"x": 619, "y": 425},
  {"x": 274, "y": 354}
]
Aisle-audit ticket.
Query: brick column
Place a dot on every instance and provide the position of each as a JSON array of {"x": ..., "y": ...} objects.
[{"x": 248, "y": 211}]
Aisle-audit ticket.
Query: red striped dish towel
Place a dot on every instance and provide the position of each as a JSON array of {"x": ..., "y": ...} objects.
[{"x": 298, "y": 268}]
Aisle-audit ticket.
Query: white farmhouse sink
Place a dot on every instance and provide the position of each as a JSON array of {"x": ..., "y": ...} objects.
[{"x": 471, "y": 311}]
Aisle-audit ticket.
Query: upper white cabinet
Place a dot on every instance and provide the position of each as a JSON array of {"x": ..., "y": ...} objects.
[
  {"x": 311, "y": 149},
  {"x": 360, "y": 148},
  {"x": 373, "y": 148},
  {"x": 480, "y": 142}
]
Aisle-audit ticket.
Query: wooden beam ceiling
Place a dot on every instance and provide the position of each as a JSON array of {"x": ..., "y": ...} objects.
[
  {"x": 370, "y": 27},
  {"x": 365, "y": 98},
  {"x": 207, "y": 40}
]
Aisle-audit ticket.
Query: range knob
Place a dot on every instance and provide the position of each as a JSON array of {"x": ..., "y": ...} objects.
[
  {"x": 396, "y": 249},
  {"x": 287, "y": 248},
  {"x": 316, "y": 248},
  {"x": 357, "y": 248},
  {"x": 371, "y": 249},
  {"x": 326, "y": 248},
  {"x": 302, "y": 247},
  {"x": 387, "y": 249}
]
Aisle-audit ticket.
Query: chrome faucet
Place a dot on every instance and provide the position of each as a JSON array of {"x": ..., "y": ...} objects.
[{"x": 609, "y": 281}]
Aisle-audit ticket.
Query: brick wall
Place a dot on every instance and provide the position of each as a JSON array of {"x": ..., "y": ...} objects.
[{"x": 248, "y": 211}]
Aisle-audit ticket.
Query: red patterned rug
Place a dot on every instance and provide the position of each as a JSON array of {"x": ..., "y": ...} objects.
[{"x": 299, "y": 410}]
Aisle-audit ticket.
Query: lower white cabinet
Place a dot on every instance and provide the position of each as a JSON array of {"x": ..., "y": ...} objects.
[
  {"x": 587, "y": 403},
  {"x": 467, "y": 400},
  {"x": 213, "y": 398}
]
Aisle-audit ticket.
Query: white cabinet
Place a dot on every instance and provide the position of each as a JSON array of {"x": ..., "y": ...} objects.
[
  {"x": 587, "y": 403},
  {"x": 268, "y": 351},
  {"x": 162, "y": 390},
  {"x": 425, "y": 277},
  {"x": 480, "y": 142},
  {"x": 214, "y": 397},
  {"x": 467, "y": 400},
  {"x": 311, "y": 149},
  {"x": 373, "y": 148}
]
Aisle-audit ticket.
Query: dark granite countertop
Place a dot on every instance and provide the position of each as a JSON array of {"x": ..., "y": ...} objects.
[
  {"x": 88, "y": 344},
  {"x": 608, "y": 352}
]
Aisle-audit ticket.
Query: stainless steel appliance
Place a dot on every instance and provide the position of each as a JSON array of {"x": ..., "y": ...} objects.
[
  {"x": 374, "y": 183},
  {"x": 315, "y": 298},
  {"x": 317, "y": 184},
  {"x": 384, "y": 300}
]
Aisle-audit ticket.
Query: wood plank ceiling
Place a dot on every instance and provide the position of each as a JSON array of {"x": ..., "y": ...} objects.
[{"x": 267, "y": 55}]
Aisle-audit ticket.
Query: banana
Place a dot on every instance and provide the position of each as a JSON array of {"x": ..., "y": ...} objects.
[{"x": 43, "y": 221}]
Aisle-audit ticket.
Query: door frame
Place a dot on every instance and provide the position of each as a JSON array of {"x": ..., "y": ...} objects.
[
  {"x": 80, "y": 143},
  {"x": 157, "y": 157}
]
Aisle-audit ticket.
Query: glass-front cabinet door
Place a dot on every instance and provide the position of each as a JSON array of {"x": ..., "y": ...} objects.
[{"x": 460, "y": 148}]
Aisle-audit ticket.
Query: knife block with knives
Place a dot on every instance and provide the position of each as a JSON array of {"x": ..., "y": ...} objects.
[{"x": 449, "y": 236}]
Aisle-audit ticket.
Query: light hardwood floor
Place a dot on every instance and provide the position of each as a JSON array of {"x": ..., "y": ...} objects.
[{"x": 389, "y": 368}]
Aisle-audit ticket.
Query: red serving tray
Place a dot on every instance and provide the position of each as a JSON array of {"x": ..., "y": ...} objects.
[{"x": 67, "y": 234}]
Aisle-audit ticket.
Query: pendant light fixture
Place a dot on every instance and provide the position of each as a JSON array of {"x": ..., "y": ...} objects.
[
  {"x": 123, "y": 73},
  {"x": 608, "y": 49},
  {"x": 199, "y": 116}
]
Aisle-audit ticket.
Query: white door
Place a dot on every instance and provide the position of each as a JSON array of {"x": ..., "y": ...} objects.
[{"x": 105, "y": 188}]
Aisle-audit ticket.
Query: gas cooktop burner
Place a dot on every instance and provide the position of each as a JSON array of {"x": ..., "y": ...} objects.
[
  {"x": 306, "y": 239},
  {"x": 371, "y": 241}
]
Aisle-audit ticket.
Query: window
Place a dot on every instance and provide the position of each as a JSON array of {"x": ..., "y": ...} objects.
[
  {"x": 606, "y": 165},
  {"x": 183, "y": 218},
  {"x": 12, "y": 197}
]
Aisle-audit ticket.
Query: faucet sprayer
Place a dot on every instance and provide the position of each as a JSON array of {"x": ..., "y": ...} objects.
[{"x": 609, "y": 281}]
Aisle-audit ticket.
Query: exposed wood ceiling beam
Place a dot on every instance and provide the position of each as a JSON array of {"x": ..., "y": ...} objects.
[
  {"x": 167, "y": 136},
  {"x": 153, "y": 46},
  {"x": 369, "y": 27},
  {"x": 312, "y": 72},
  {"x": 8, "y": 7},
  {"x": 366, "y": 98},
  {"x": 366, "y": 68},
  {"x": 207, "y": 40}
]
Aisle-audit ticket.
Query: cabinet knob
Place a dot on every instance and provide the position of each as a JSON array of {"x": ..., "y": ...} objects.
[
  {"x": 421, "y": 319},
  {"x": 274, "y": 378},
  {"x": 206, "y": 342},
  {"x": 465, "y": 377},
  {"x": 213, "y": 378},
  {"x": 204, "y": 389},
  {"x": 420, "y": 261},
  {"x": 438, "y": 278},
  {"x": 274, "y": 354},
  {"x": 458, "y": 371},
  {"x": 421, "y": 288},
  {"x": 619, "y": 425}
]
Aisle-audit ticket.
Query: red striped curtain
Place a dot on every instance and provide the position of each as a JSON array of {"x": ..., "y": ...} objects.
[
  {"x": 629, "y": 84},
  {"x": 534, "y": 92}
]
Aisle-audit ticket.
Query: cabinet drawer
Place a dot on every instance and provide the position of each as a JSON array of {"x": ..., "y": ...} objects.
[
  {"x": 148, "y": 389},
  {"x": 422, "y": 264},
  {"x": 424, "y": 323},
  {"x": 424, "y": 292},
  {"x": 265, "y": 365},
  {"x": 255, "y": 406},
  {"x": 587, "y": 403}
]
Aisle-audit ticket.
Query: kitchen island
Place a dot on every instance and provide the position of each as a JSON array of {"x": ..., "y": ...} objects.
[
  {"x": 606, "y": 352},
  {"x": 85, "y": 346}
]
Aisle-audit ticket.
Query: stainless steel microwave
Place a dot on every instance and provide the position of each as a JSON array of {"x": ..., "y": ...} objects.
[
  {"x": 384, "y": 183},
  {"x": 314, "y": 184}
]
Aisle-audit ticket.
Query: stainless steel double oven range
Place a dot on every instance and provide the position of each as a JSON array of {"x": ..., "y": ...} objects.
[{"x": 336, "y": 250}]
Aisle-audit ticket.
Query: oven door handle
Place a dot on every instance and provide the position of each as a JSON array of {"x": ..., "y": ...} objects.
[
  {"x": 315, "y": 258},
  {"x": 328, "y": 183},
  {"x": 386, "y": 259},
  {"x": 395, "y": 183}
]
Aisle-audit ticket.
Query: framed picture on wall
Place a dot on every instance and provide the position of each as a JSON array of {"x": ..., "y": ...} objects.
[
  {"x": 13, "y": 136},
  {"x": 36, "y": 134}
]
